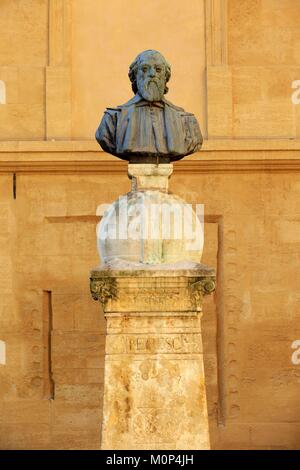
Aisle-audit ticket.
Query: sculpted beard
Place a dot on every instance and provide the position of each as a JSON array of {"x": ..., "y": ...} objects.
[{"x": 151, "y": 89}]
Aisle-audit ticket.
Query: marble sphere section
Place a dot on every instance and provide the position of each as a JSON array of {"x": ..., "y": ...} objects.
[{"x": 150, "y": 227}]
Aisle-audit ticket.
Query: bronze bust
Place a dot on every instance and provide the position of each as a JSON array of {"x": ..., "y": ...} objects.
[{"x": 148, "y": 128}]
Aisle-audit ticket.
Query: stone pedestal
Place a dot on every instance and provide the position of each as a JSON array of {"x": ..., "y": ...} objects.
[{"x": 154, "y": 386}]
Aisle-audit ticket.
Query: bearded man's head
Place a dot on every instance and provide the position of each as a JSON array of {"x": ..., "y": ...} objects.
[{"x": 149, "y": 74}]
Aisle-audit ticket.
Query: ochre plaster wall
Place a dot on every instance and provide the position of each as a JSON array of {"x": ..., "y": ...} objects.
[
  {"x": 67, "y": 61},
  {"x": 249, "y": 93},
  {"x": 23, "y": 57}
]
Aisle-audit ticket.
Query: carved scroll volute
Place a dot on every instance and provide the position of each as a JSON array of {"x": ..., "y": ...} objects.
[
  {"x": 201, "y": 288},
  {"x": 103, "y": 289}
]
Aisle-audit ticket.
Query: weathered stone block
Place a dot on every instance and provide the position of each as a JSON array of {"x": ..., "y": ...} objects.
[{"x": 154, "y": 386}]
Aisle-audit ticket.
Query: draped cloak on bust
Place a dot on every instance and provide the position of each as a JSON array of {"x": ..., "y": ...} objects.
[{"x": 141, "y": 129}]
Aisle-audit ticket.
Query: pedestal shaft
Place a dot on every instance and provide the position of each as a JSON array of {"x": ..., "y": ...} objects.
[
  {"x": 154, "y": 388},
  {"x": 154, "y": 392}
]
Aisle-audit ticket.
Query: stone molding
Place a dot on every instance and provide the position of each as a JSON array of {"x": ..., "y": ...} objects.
[
  {"x": 188, "y": 167},
  {"x": 157, "y": 289},
  {"x": 91, "y": 146},
  {"x": 218, "y": 155}
]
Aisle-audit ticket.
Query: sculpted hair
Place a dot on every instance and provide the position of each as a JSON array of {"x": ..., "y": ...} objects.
[{"x": 134, "y": 68}]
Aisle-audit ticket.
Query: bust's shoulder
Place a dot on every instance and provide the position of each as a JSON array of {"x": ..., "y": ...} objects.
[
  {"x": 173, "y": 106},
  {"x": 119, "y": 108},
  {"x": 110, "y": 116},
  {"x": 111, "y": 111},
  {"x": 134, "y": 100}
]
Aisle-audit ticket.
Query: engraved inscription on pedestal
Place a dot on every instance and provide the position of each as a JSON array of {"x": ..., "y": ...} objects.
[{"x": 150, "y": 343}]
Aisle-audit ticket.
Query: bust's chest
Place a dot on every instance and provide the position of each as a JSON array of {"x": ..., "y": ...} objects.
[{"x": 142, "y": 129}]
